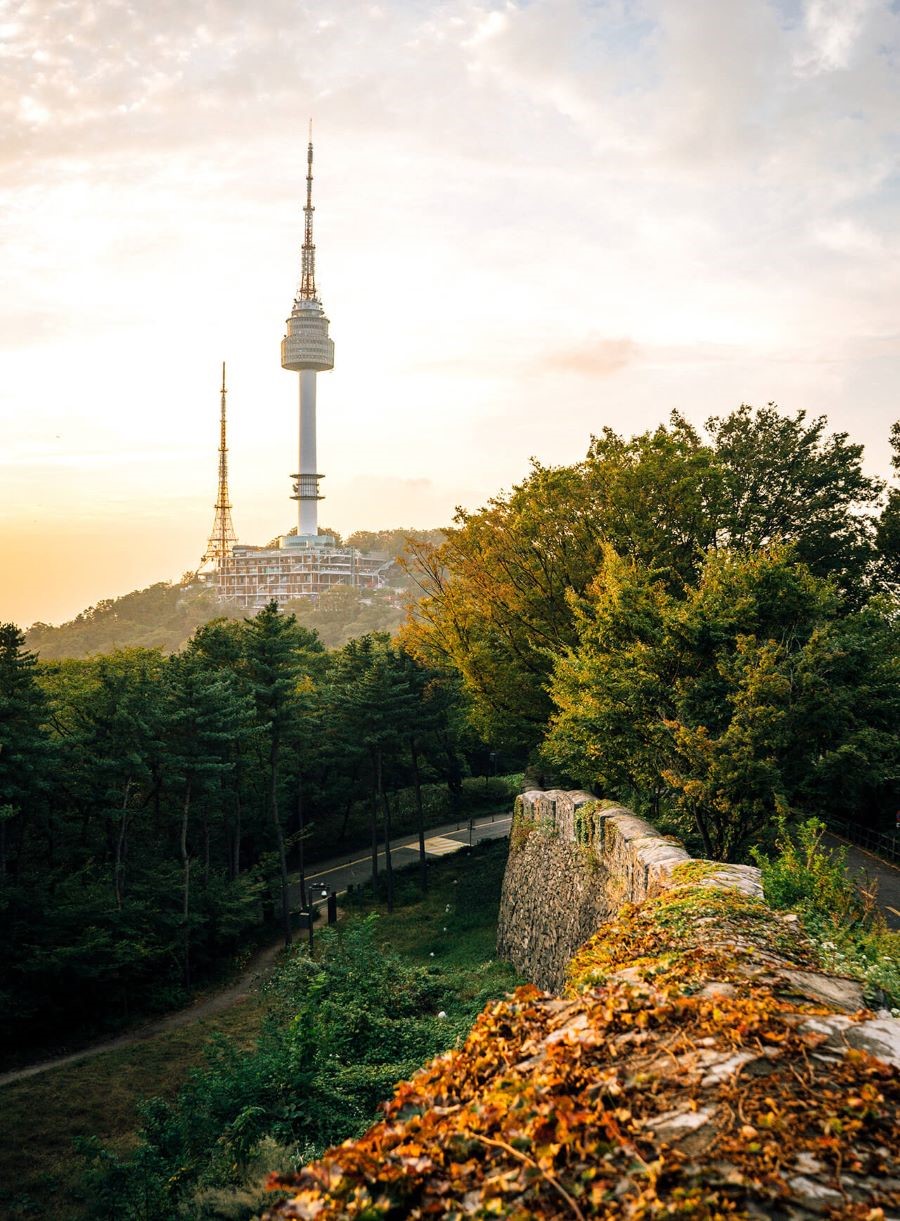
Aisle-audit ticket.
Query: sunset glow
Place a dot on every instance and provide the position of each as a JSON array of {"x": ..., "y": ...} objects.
[{"x": 532, "y": 220}]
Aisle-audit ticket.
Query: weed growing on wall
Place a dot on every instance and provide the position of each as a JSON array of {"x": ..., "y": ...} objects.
[{"x": 811, "y": 879}]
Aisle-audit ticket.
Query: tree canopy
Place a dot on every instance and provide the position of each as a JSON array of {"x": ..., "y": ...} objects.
[
  {"x": 703, "y": 624},
  {"x": 153, "y": 808},
  {"x": 750, "y": 694},
  {"x": 496, "y": 607}
]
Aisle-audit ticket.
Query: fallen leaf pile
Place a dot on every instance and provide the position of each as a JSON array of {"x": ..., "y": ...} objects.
[{"x": 691, "y": 1071}]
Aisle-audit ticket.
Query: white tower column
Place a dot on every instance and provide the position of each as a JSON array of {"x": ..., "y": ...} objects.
[{"x": 308, "y": 506}]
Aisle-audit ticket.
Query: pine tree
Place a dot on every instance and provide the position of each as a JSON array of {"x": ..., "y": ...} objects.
[
  {"x": 278, "y": 654},
  {"x": 23, "y": 741}
]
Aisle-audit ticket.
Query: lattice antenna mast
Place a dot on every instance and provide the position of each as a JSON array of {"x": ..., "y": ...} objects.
[
  {"x": 308, "y": 263},
  {"x": 222, "y": 536}
]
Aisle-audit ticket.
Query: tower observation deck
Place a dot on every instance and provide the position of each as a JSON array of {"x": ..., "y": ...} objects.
[{"x": 307, "y": 349}]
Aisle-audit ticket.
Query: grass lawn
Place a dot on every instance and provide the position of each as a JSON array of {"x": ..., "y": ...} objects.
[
  {"x": 41, "y": 1116},
  {"x": 453, "y": 930}
]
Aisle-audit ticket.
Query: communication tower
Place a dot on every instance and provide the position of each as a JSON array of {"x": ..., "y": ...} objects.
[
  {"x": 307, "y": 349},
  {"x": 306, "y": 564},
  {"x": 222, "y": 536}
]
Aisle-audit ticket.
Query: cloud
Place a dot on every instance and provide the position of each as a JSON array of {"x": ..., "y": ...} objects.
[
  {"x": 596, "y": 358},
  {"x": 833, "y": 29},
  {"x": 517, "y": 199}
]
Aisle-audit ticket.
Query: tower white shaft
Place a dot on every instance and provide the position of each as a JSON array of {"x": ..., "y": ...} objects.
[
  {"x": 307, "y": 349},
  {"x": 308, "y": 507}
]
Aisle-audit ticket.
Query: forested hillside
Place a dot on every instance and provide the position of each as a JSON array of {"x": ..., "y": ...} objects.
[
  {"x": 163, "y": 616},
  {"x": 152, "y": 806}
]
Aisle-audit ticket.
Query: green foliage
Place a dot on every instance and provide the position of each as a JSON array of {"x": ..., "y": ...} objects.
[
  {"x": 498, "y": 607},
  {"x": 24, "y": 746},
  {"x": 162, "y": 616},
  {"x": 342, "y": 1028},
  {"x": 806, "y": 874},
  {"x": 392, "y": 543},
  {"x": 749, "y": 691},
  {"x": 342, "y": 613},
  {"x": 888, "y": 533},
  {"x": 811, "y": 879},
  {"x": 785, "y": 480}
]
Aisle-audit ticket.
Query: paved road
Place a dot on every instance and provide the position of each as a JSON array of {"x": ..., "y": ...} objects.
[
  {"x": 865, "y": 869},
  {"x": 335, "y": 874},
  {"x": 356, "y": 869}
]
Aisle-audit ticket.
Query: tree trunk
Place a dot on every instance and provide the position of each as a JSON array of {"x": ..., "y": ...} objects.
[
  {"x": 704, "y": 833},
  {"x": 301, "y": 863},
  {"x": 373, "y": 817},
  {"x": 454, "y": 778},
  {"x": 121, "y": 847},
  {"x": 236, "y": 857},
  {"x": 347, "y": 808},
  {"x": 279, "y": 837},
  {"x": 420, "y": 816},
  {"x": 186, "y": 887},
  {"x": 386, "y": 805}
]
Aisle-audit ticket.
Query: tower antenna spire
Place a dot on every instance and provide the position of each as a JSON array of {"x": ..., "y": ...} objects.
[
  {"x": 308, "y": 271},
  {"x": 222, "y": 536}
]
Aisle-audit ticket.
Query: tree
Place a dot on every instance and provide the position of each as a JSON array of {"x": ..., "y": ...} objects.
[
  {"x": 785, "y": 480},
  {"x": 656, "y": 498},
  {"x": 495, "y": 605},
  {"x": 888, "y": 534},
  {"x": 207, "y": 714},
  {"x": 279, "y": 656},
  {"x": 376, "y": 702},
  {"x": 742, "y": 698},
  {"x": 23, "y": 740},
  {"x": 108, "y": 714}
]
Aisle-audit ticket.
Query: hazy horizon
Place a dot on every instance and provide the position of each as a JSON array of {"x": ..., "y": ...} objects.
[{"x": 532, "y": 220}]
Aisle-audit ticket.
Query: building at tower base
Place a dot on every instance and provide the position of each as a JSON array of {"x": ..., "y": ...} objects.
[{"x": 254, "y": 576}]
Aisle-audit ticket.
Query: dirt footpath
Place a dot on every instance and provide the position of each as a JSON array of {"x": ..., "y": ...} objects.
[{"x": 258, "y": 967}]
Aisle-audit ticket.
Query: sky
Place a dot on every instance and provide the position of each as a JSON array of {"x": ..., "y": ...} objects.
[{"x": 534, "y": 218}]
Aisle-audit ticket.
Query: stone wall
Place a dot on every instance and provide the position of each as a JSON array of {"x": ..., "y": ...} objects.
[
  {"x": 573, "y": 862},
  {"x": 554, "y": 893},
  {"x": 699, "y": 1063}
]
